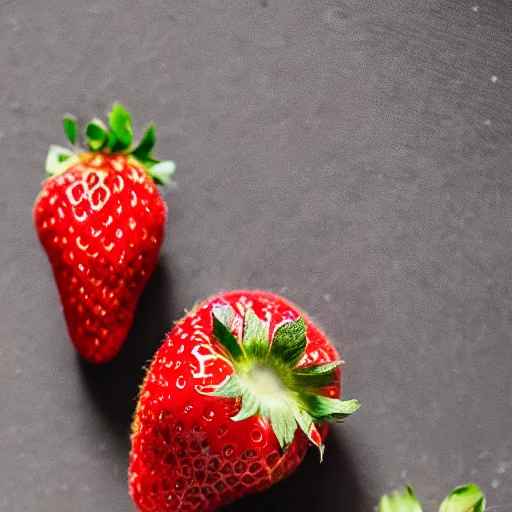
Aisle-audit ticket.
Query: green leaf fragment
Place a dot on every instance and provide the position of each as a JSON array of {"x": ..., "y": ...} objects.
[
  {"x": 70, "y": 128},
  {"x": 289, "y": 342},
  {"x": 316, "y": 377},
  {"x": 250, "y": 407},
  {"x": 255, "y": 337},
  {"x": 112, "y": 143},
  {"x": 305, "y": 422},
  {"x": 400, "y": 502},
  {"x": 227, "y": 339},
  {"x": 322, "y": 408},
  {"x": 231, "y": 389},
  {"x": 162, "y": 172},
  {"x": 283, "y": 424},
  {"x": 121, "y": 125},
  {"x": 143, "y": 151},
  {"x": 55, "y": 157},
  {"x": 97, "y": 134},
  {"x": 467, "y": 498}
]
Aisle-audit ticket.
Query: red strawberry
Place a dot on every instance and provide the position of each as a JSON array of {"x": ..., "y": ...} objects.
[
  {"x": 101, "y": 221},
  {"x": 227, "y": 409}
]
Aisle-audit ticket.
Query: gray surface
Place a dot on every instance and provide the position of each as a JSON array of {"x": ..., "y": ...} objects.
[{"x": 353, "y": 155}]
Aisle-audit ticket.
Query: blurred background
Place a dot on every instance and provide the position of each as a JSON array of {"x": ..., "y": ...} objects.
[{"x": 354, "y": 156}]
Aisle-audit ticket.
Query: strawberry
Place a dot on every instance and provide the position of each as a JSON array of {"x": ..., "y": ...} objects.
[
  {"x": 231, "y": 400},
  {"x": 466, "y": 498},
  {"x": 101, "y": 221}
]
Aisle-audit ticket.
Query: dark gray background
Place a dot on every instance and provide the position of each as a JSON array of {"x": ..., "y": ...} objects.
[{"x": 353, "y": 155}]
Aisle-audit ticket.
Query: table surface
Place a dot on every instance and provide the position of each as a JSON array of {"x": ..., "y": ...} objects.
[{"x": 354, "y": 156}]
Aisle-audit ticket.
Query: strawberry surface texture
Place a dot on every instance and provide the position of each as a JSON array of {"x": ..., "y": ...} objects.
[
  {"x": 232, "y": 399},
  {"x": 100, "y": 219}
]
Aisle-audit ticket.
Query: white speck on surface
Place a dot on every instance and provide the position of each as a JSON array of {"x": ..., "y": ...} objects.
[
  {"x": 495, "y": 484},
  {"x": 502, "y": 467},
  {"x": 475, "y": 8},
  {"x": 487, "y": 122},
  {"x": 484, "y": 454},
  {"x": 494, "y": 79},
  {"x": 327, "y": 297},
  {"x": 284, "y": 289},
  {"x": 403, "y": 474},
  {"x": 18, "y": 371},
  {"x": 13, "y": 23}
]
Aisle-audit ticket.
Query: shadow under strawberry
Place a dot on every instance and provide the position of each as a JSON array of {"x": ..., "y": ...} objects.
[
  {"x": 114, "y": 386},
  {"x": 314, "y": 486}
]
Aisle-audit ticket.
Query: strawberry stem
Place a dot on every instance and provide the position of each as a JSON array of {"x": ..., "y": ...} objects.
[
  {"x": 117, "y": 138},
  {"x": 270, "y": 384},
  {"x": 467, "y": 498}
]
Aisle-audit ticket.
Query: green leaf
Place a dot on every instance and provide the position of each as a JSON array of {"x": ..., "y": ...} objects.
[
  {"x": 55, "y": 157},
  {"x": 316, "y": 377},
  {"x": 323, "y": 409},
  {"x": 250, "y": 407},
  {"x": 467, "y": 498},
  {"x": 162, "y": 172},
  {"x": 226, "y": 338},
  {"x": 289, "y": 342},
  {"x": 231, "y": 389},
  {"x": 400, "y": 502},
  {"x": 143, "y": 151},
  {"x": 112, "y": 143},
  {"x": 225, "y": 313},
  {"x": 303, "y": 419},
  {"x": 97, "y": 134},
  {"x": 70, "y": 128},
  {"x": 283, "y": 424},
  {"x": 255, "y": 338},
  {"x": 121, "y": 125}
]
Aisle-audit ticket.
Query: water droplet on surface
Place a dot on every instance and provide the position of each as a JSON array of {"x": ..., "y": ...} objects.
[
  {"x": 180, "y": 484},
  {"x": 228, "y": 450},
  {"x": 208, "y": 414},
  {"x": 256, "y": 435}
]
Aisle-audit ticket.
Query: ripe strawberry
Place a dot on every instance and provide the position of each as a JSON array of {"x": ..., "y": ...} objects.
[
  {"x": 223, "y": 411},
  {"x": 101, "y": 220}
]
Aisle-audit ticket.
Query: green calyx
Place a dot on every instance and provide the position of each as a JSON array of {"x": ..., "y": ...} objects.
[
  {"x": 270, "y": 384},
  {"x": 116, "y": 138},
  {"x": 467, "y": 498}
]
